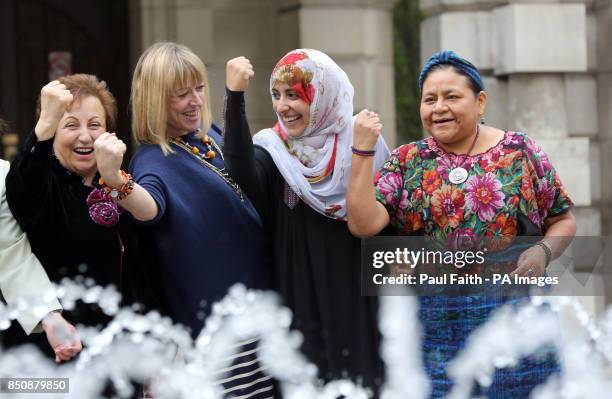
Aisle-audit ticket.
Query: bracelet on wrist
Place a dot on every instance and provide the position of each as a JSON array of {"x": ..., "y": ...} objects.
[
  {"x": 547, "y": 250},
  {"x": 121, "y": 192},
  {"x": 363, "y": 153}
]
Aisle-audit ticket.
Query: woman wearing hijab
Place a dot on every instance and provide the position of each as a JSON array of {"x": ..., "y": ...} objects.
[
  {"x": 471, "y": 187},
  {"x": 296, "y": 173}
]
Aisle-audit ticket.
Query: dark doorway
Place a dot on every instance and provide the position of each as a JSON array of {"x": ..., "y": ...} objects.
[{"x": 42, "y": 36}]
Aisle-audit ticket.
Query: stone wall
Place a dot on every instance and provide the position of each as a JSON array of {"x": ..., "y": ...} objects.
[{"x": 357, "y": 34}]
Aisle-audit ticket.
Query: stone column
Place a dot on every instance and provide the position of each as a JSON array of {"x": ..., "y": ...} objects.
[
  {"x": 603, "y": 18},
  {"x": 217, "y": 30},
  {"x": 156, "y": 20},
  {"x": 602, "y": 38}
]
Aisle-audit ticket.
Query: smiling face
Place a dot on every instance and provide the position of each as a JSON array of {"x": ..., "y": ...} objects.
[
  {"x": 80, "y": 126},
  {"x": 449, "y": 107},
  {"x": 292, "y": 111},
  {"x": 185, "y": 110}
]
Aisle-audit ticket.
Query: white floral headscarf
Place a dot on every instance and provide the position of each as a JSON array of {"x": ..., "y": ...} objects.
[{"x": 306, "y": 162}]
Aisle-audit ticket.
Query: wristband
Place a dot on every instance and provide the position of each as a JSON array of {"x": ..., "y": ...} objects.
[
  {"x": 363, "y": 153},
  {"x": 547, "y": 250}
]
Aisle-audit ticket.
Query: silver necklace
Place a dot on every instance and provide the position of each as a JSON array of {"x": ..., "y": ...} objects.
[{"x": 458, "y": 173}]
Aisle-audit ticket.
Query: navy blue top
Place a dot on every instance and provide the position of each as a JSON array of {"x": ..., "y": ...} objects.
[{"x": 206, "y": 237}]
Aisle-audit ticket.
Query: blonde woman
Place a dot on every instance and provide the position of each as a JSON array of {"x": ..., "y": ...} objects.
[{"x": 206, "y": 233}]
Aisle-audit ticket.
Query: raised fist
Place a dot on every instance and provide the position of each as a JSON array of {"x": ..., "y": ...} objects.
[
  {"x": 109, "y": 151},
  {"x": 238, "y": 74},
  {"x": 54, "y": 101},
  {"x": 367, "y": 129}
]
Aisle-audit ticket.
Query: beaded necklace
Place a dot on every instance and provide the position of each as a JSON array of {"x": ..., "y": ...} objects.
[{"x": 205, "y": 159}]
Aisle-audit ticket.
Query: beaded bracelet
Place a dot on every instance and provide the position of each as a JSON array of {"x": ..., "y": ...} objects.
[
  {"x": 117, "y": 194},
  {"x": 546, "y": 247},
  {"x": 363, "y": 153}
]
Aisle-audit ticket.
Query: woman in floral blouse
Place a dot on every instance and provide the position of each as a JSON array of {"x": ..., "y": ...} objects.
[{"x": 467, "y": 185}]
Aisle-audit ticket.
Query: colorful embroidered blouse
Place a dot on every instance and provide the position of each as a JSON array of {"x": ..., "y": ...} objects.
[{"x": 510, "y": 180}]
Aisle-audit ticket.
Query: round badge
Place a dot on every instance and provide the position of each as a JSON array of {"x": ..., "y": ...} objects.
[{"x": 458, "y": 175}]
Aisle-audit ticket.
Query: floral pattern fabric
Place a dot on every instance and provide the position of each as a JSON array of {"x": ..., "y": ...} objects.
[
  {"x": 511, "y": 181},
  {"x": 514, "y": 177}
]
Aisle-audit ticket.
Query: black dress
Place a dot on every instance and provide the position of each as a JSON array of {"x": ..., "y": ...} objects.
[
  {"x": 49, "y": 202},
  {"x": 316, "y": 262}
]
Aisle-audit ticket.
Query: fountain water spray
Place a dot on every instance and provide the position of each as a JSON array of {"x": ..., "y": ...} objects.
[{"x": 150, "y": 349}]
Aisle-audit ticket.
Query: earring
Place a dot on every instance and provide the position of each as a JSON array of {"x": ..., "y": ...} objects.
[{"x": 482, "y": 120}]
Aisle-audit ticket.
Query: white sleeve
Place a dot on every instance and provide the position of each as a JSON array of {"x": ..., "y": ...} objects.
[{"x": 21, "y": 274}]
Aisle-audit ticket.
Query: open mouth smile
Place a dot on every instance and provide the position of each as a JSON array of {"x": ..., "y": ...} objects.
[
  {"x": 442, "y": 121},
  {"x": 192, "y": 114},
  {"x": 84, "y": 150},
  {"x": 291, "y": 119}
]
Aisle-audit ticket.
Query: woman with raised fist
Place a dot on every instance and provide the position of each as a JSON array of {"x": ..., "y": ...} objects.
[
  {"x": 296, "y": 173},
  {"x": 467, "y": 187},
  {"x": 203, "y": 230},
  {"x": 74, "y": 227}
]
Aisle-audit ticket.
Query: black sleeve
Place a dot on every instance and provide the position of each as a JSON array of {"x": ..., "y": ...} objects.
[
  {"x": 29, "y": 182},
  {"x": 240, "y": 159},
  {"x": 141, "y": 273}
]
